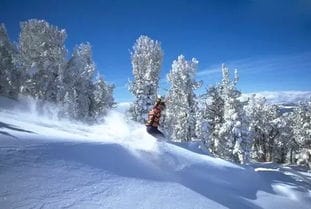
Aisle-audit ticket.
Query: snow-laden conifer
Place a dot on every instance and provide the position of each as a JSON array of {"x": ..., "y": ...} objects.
[
  {"x": 285, "y": 145},
  {"x": 42, "y": 57},
  {"x": 9, "y": 76},
  {"x": 102, "y": 99},
  {"x": 210, "y": 116},
  {"x": 78, "y": 82},
  {"x": 302, "y": 124},
  {"x": 231, "y": 141},
  {"x": 264, "y": 127},
  {"x": 180, "y": 117},
  {"x": 146, "y": 60},
  {"x": 302, "y": 131}
]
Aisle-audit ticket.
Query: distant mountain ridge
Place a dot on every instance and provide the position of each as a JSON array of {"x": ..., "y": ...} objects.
[{"x": 284, "y": 98}]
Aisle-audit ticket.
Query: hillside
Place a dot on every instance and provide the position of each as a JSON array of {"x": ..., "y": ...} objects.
[{"x": 46, "y": 163}]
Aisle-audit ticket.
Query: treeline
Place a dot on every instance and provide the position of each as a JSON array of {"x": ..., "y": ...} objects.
[
  {"x": 37, "y": 66},
  {"x": 230, "y": 128}
]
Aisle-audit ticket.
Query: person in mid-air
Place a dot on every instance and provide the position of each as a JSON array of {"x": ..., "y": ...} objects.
[{"x": 154, "y": 119}]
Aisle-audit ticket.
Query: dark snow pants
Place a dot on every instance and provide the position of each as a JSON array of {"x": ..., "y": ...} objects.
[{"x": 154, "y": 132}]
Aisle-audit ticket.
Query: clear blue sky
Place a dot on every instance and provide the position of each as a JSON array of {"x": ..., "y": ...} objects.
[{"x": 268, "y": 41}]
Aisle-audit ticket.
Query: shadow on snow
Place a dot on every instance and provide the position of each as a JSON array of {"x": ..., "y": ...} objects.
[
  {"x": 232, "y": 187},
  {"x": 13, "y": 128}
]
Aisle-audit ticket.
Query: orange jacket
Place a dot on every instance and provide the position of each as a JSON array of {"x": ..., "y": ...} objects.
[{"x": 154, "y": 117}]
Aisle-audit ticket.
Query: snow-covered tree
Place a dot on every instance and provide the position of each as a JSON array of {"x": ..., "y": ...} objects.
[
  {"x": 222, "y": 125},
  {"x": 78, "y": 82},
  {"x": 42, "y": 57},
  {"x": 210, "y": 116},
  {"x": 302, "y": 124},
  {"x": 232, "y": 142},
  {"x": 9, "y": 76},
  {"x": 285, "y": 145},
  {"x": 146, "y": 63},
  {"x": 302, "y": 131},
  {"x": 181, "y": 104},
  {"x": 264, "y": 128},
  {"x": 102, "y": 99}
]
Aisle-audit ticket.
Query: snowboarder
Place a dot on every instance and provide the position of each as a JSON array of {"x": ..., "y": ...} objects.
[{"x": 154, "y": 119}]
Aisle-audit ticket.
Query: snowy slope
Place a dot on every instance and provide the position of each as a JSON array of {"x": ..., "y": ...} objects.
[{"x": 46, "y": 163}]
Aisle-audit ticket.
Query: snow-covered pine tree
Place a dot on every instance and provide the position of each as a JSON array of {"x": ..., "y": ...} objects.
[
  {"x": 231, "y": 141},
  {"x": 302, "y": 124},
  {"x": 146, "y": 63},
  {"x": 42, "y": 57},
  {"x": 102, "y": 99},
  {"x": 78, "y": 83},
  {"x": 264, "y": 128},
  {"x": 181, "y": 104},
  {"x": 9, "y": 76},
  {"x": 285, "y": 145},
  {"x": 254, "y": 113},
  {"x": 302, "y": 131},
  {"x": 70, "y": 77},
  {"x": 210, "y": 115}
]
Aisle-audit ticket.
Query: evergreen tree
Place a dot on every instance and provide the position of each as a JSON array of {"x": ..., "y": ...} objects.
[
  {"x": 224, "y": 129},
  {"x": 264, "y": 128},
  {"x": 232, "y": 142},
  {"x": 78, "y": 79},
  {"x": 102, "y": 99},
  {"x": 9, "y": 76},
  {"x": 146, "y": 63},
  {"x": 301, "y": 132},
  {"x": 302, "y": 124},
  {"x": 210, "y": 116},
  {"x": 180, "y": 120},
  {"x": 42, "y": 57},
  {"x": 285, "y": 143}
]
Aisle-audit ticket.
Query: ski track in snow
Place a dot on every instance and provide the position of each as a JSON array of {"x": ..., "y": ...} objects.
[{"x": 52, "y": 164}]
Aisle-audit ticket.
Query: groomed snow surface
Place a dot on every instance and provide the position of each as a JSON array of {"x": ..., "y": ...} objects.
[{"x": 46, "y": 163}]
